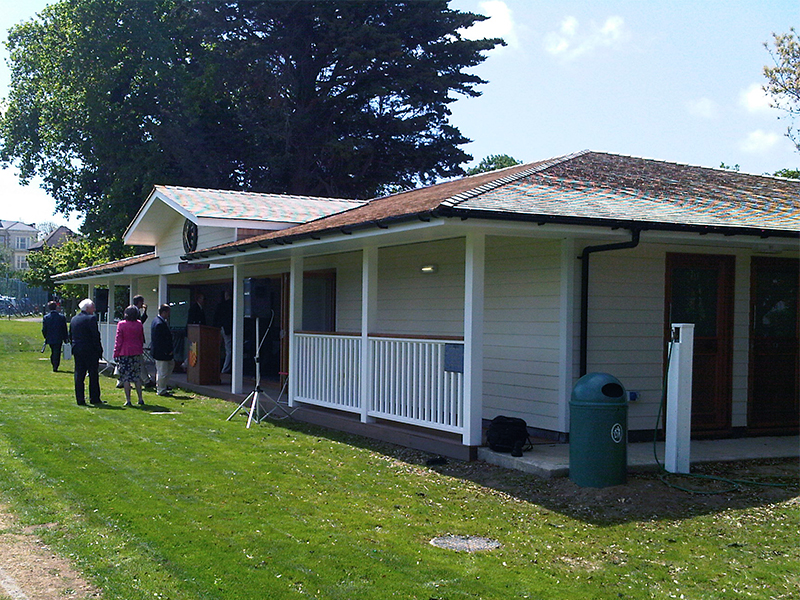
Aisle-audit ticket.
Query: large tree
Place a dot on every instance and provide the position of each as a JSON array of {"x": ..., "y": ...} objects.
[
  {"x": 783, "y": 79},
  {"x": 346, "y": 98}
]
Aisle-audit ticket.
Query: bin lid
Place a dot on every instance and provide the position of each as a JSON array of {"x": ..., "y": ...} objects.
[{"x": 598, "y": 388}]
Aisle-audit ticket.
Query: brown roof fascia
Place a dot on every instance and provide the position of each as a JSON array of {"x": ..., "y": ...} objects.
[{"x": 115, "y": 266}]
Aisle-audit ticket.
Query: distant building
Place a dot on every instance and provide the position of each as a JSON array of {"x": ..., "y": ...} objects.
[
  {"x": 54, "y": 239},
  {"x": 18, "y": 238}
]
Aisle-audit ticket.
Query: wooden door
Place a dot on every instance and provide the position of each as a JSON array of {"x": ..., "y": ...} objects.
[
  {"x": 773, "y": 389},
  {"x": 699, "y": 290}
]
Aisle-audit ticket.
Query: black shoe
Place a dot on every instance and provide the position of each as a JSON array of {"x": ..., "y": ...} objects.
[
  {"x": 81, "y": 403},
  {"x": 97, "y": 402}
]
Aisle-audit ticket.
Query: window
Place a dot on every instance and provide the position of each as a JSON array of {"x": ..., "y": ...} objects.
[
  {"x": 22, "y": 243},
  {"x": 21, "y": 263}
]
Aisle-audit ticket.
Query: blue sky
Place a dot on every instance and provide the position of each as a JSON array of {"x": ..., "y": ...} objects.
[{"x": 677, "y": 81}]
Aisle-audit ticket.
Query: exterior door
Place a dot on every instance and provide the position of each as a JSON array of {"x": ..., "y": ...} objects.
[
  {"x": 699, "y": 290},
  {"x": 773, "y": 404}
]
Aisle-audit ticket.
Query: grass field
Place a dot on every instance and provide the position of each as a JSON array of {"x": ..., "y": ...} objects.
[{"x": 172, "y": 501}]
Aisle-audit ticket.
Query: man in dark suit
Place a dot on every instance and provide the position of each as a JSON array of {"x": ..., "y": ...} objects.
[
  {"x": 87, "y": 351},
  {"x": 197, "y": 314},
  {"x": 161, "y": 348},
  {"x": 54, "y": 331}
]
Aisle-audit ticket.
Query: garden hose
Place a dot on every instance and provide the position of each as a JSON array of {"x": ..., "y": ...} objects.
[{"x": 734, "y": 484}]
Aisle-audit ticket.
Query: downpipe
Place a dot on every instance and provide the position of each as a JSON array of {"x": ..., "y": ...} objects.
[{"x": 584, "y": 257}]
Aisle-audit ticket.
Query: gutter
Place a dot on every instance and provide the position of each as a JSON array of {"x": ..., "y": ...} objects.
[{"x": 584, "y": 257}]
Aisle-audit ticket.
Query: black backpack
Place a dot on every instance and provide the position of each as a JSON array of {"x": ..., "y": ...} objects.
[{"x": 508, "y": 434}]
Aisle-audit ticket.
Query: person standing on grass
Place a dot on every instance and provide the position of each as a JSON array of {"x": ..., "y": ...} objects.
[
  {"x": 87, "y": 350},
  {"x": 162, "y": 349},
  {"x": 54, "y": 330},
  {"x": 128, "y": 350}
]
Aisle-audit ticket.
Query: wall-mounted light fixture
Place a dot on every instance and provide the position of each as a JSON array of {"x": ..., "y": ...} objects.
[{"x": 431, "y": 268}]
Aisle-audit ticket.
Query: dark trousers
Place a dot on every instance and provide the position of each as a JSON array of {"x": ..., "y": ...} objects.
[
  {"x": 87, "y": 365},
  {"x": 55, "y": 355}
]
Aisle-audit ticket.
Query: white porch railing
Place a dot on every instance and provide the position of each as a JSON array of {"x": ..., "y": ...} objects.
[
  {"x": 410, "y": 384},
  {"x": 328, "y": 369},
  {"x": 408, "y": 379},
  {"x": 108, "y": 333}
]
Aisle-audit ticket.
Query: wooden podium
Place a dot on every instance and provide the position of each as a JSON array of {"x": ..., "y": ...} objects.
[{"x": 203, "y": 359}]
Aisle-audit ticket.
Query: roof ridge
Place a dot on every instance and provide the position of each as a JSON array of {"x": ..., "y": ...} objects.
[
  {"x": 264, "y": 194},
  {"x": 495, "y": 183},
  {"x": 725, "y": 170}
]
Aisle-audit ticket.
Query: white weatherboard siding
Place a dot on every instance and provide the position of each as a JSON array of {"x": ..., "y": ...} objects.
[
  {"x": 522, "y": 330},
  {"x": 626, "y": 323},
  {"x": 412, "y": 302},
  {"x": 170, "y": 247},
  {"x": 347, "y": 267}
]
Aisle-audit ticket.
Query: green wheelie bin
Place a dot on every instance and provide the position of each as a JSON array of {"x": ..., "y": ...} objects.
[{"x": 598, "y": 431}]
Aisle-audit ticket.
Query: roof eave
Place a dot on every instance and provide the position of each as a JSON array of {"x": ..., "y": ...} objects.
[{"x": 617, "y": 223}]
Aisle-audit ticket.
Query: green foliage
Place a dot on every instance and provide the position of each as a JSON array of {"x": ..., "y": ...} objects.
[
  {"x": 74, "y": 253},
  {"x": 783, "y": 80},
  {"x": 494, "y": 162},
  {"x": 109, "y": 97},
  {"x": 735, "y": 167},
  {"x": 788, "y": 173},
  {"x": 174, "y": 502}
]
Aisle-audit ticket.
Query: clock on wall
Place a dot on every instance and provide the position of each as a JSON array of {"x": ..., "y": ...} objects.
[{"x": 189, "y": 236}]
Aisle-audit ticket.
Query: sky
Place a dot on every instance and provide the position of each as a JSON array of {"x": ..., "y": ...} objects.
[{"x": 678, "y": 81}]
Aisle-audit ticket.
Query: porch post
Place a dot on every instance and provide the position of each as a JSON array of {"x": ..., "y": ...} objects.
[
  {"x": 133, "y": 289},
  {"x": 473, "y": 338},
  {"x": 162, "y": 290},
  {"x": 566, "y": 317},
  {"x": 108, "y": 342},
  {"x": 295, "y": 320},
  {"x": 369, "y": 311},
  {"x": 237, "y": 339}
]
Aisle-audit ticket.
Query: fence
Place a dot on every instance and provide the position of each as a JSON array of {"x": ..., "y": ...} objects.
[{"x": 17, "y": 298}]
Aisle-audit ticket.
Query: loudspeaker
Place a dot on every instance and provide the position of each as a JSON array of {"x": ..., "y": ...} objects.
[
  {"x": 257, "y": 298},
  {"x": 101, "y": 300}
]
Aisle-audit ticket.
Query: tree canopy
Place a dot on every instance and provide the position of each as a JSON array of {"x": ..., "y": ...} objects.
[
  {"x": 346, "y": 98},
  {"x": 783, "y": 80},
  {"x": 74, "y": 253},
  {"x": 494, "y": 162}
]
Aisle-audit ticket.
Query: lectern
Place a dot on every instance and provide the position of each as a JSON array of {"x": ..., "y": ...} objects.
[{"x": 203, "y": 360}]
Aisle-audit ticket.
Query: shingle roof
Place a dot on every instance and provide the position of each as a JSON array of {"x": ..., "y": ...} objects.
[
  {"x": 110, "y": 267},
  {"x": 224, "y": 204},
  {"x": 599, "y": 186},
  {"x": 399, "y": 206},
  {"x": 588, "y": 188}
]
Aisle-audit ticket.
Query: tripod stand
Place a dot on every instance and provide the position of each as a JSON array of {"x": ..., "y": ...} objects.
[{"x": 254, "y": 396}]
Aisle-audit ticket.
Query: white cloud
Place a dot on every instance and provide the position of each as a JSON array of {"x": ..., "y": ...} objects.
[
  {"x": 759, "y": 141},
  {"x": 755, "y": 99},
  {"x": 704, "y": 108},
  {"x": 499, "y": 24},
  {"x": 567, "y": 43}
]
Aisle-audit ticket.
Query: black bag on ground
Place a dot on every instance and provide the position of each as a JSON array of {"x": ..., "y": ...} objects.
[{"x": 508, "y": 434}]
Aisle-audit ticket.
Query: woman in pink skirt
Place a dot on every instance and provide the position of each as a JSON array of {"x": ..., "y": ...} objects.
[{"x": 128, "y": 349}]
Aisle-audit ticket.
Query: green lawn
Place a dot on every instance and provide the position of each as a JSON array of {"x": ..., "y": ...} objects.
[{"x": 188, "y": 506}]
